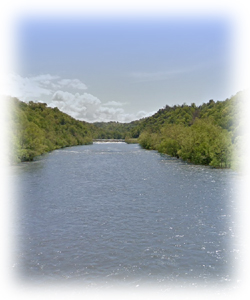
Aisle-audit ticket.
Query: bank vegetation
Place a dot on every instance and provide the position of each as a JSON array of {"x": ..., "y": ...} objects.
[{"x": 209, "y": 134}]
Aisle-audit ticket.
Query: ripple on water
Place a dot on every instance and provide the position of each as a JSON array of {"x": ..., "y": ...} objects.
[{"x": 116, "y": 213}]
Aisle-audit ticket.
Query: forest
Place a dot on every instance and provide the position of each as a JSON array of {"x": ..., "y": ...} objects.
[
  {"x": 113, "y": 130},
  {"x": 36, "y": 129},
  {"x": 209, "y": 134}
]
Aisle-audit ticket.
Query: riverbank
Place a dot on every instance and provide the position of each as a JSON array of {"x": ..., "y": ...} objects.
[
  {"x": 108, "y": 140},
  {"x": 35, "y": 129},
  {"x": 207, "y": 134}
]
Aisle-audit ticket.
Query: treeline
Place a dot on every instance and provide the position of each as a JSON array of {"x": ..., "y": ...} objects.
[
  {"x": 36, "y": 129},
  {"x": 113, "y": 130},
  {"x": 208, "y": 134}
]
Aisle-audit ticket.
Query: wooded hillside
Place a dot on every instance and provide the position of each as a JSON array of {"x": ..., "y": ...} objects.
[
  {"x": 208, "y": 134},
  {"x": 36, "y": 129}
]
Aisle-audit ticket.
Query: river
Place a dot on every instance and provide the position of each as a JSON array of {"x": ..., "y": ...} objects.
[{"x": 113, "y": 214}]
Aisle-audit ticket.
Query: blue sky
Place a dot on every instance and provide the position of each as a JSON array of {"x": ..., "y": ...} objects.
[{"x": 121, "y": 69}]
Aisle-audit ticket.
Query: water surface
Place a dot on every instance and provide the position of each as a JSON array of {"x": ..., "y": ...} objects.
[{"x": 114, "y": 214}]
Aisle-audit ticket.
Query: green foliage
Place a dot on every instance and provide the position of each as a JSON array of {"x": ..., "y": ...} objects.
[
  {"x": 172, "y": 137},
  {"x": 208, "y": 134},
  {"x": 129, "y": 140},
  {"x": 202, "y": 143},
  {"x": 114, "y": 130},
  {"x": 207, "y": 143},
  {"x": 36, "y": 129},
  {"x": 145, "y": 140}
]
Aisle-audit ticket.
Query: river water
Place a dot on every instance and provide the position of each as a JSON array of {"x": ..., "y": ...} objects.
[{"x": 112, "y": 214}]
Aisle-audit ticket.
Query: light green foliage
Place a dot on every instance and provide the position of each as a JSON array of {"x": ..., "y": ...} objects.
[
  {"x": 172, "y": 137},
  {"x": 130, "y": 140},
  {"x": 207, "y": 143},
  {"x": 149, "y": 140}
]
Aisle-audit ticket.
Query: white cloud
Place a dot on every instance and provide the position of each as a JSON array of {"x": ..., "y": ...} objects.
[
  {"x": 46, "y": 78},
  {"x": 83, "y": 106},
  {"x": 25, "y": 88},
  {"x": 88, "y": 108},
  {"x": 33, "y": 88},
  {"x": 55, "y": 86},
  {"x": 113, "y": 103},
  {"x": 72, "y": 83},
  {"x": 143, "y": 114},
  {"x": 53, "y": 90}
]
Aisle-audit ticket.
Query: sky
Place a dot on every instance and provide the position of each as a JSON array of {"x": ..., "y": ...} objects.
[
  {"x": 128, "y": 67},
  {"x": 121, "y": 68}
]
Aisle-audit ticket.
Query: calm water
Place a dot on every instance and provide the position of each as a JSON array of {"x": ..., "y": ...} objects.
[{"x": 114, "y": 214}]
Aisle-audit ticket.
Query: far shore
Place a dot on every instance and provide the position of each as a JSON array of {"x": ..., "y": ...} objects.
[{"x": 108, "y": 140}]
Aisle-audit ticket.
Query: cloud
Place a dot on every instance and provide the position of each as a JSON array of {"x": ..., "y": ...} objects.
[
  {"x": 54, "y": 90},
  {"x": 25, "y": 88},
  {"x": 35, "y": 87},
  {"x": 73, "y": 83},
  {"x": 84, "y": 107},
  {"x": 113, "y": 103},
  {"x": 143, "y": 114},
  {"x": 87, "y": 107},
  {"x": 44, "y": 78}
]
